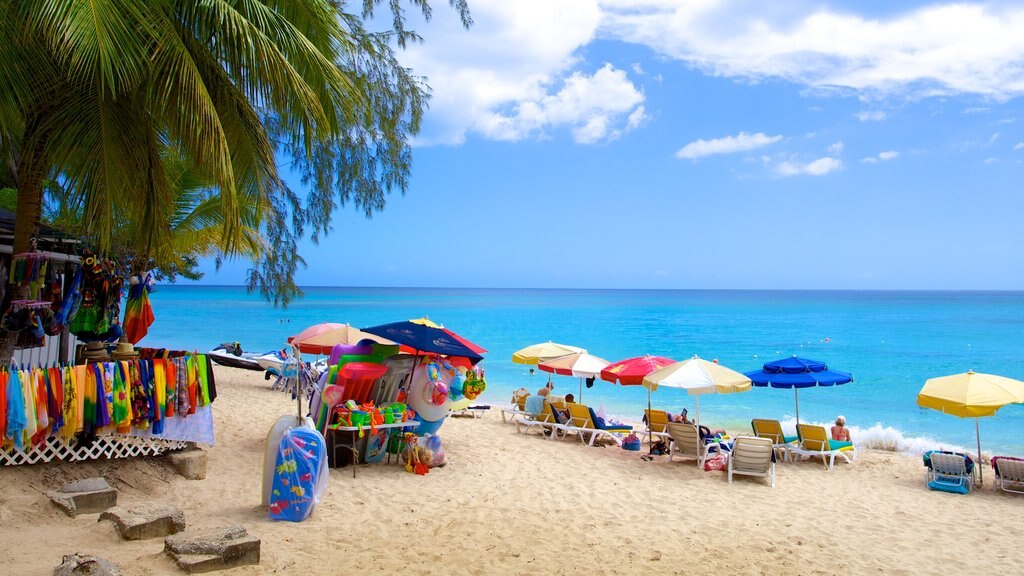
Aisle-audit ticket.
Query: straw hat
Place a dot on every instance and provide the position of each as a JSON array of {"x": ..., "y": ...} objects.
[
  {"x": 125, "y": 351},
  {"x": 95, "y": 351}
]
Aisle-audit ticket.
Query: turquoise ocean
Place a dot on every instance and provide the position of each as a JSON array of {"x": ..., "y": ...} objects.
[{"x": 891, "y": 342}]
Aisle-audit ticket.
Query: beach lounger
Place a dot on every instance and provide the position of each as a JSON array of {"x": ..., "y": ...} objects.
[
  {"x": 1009, "y": 473},
  {"x": 814, "y": 441},
  {"x": 583, "y": 421},
  {"x": 772, "y": 429},
  {"x": 948, "y": 472},
  {"x": 686, "y": 442},
  {"x": 546, "y": 420},
  {"x": 518, "y": 409},
  {"x": 753, "y": 456},
  {"x": 657, "y": 419}
]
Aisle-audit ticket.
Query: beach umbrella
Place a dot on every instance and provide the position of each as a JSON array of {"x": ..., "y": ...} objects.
[
  {"x": 697, "y": 377},
  {"x": 631, "y": 371},
  {"x": 537, "y": 353},
  {"x": 328, "y": 335},
  {"x": 971, "y": 395},
  {"x": 580, "y": 364},
  {"x": 422, "y": 335},
  {"x": 797, "y": 373}
]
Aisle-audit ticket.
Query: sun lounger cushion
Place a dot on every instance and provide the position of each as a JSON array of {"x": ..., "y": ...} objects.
[{"x": 839, "y": 444}]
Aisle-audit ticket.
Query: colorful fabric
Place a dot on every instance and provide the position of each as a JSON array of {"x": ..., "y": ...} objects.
[
  {"x": 122, "y": 409},
  {"x": 16, "y": 419},
  {"x": 138, "y": 314},
  {"x": 204, "y": 396}
]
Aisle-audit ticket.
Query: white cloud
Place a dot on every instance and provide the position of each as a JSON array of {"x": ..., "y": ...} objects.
[
  {"x": 953, "y": 48},
  {"x": 727, "y": 145},
  {"x": 1018, "y": 146},
  {"x": 500, "y": 77},
  {"x": 881, "y": 157},
  {"x": 836, "y": 149},
  {"x": 993, "y": 138},
  {"x": 871, "y": 116},
  {"x": 595, "y": 108},
  {"x": 977, "y": 110},
  {"x": 991, "y": 160},
  {"x": 818, "y": 167}
]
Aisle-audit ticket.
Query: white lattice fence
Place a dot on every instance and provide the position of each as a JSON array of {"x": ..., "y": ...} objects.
[{"x": 114, "y": 446}]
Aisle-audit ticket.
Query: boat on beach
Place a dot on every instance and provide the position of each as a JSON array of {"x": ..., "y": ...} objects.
[{"x": 230, "y": 354}]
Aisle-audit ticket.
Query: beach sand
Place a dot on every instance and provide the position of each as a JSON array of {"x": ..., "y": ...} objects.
[{"x": 513, "y": 504}]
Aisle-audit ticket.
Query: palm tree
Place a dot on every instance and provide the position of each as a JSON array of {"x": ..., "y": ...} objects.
[{"x": 91, "y": 92}]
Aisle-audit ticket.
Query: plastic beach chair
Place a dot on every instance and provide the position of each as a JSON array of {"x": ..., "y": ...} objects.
[
  {"x": 518, "y": 409},
  {"x": 948, "y": 472},
  {"x": 814, "y": 441},
  {"x": 583, "y": 421},
  {"x": 657, "y": 419},
  {"x": 772, "y": 429},
  {"x": 687, "y": 443},
  {"x": 545, "y": 420},
  {"x": 1009, "y": 473},
  {"x": 752, "y": 456}
]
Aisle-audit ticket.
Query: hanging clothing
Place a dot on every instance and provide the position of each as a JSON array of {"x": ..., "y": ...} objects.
[{"x": 138, "y": 314}]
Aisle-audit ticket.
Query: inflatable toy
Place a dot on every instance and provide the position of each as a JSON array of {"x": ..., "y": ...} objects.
[
  {"x": 282, "y": 425},
  {"x": 436, "y": 392},
  {"x": 299, "y": 475}
]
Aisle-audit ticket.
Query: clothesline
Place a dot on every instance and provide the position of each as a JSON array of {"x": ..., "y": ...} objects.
[{"x": 85, "y": 401}]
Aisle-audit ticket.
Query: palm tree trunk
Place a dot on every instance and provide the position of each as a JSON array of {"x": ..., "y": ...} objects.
[{"x": 33, "y": 167}]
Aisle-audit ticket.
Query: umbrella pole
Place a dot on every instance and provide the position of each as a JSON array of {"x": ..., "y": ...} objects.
[
  {"x": 650, "y": 431},
  {"x": 581, "y": 388},
  {"x": 977, "y": 434},
  {"x": 796, "y": 396}
]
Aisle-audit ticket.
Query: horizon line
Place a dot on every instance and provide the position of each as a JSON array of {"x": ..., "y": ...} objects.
[{"x": 937, "y": 290}]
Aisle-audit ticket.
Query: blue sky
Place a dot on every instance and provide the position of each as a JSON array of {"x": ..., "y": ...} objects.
[{"x": 704, "y": 144}]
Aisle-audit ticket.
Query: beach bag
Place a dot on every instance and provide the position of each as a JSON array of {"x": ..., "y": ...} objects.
[
  {"x": 631, "y": 443},
  {"x": 716, "y": 462}
]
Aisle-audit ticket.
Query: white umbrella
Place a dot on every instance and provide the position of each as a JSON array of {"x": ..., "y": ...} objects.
[
  {"x": 697, "y": 377},
  {"x": 580, "y": 364}
]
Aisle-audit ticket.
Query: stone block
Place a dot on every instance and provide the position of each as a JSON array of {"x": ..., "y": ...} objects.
[
  {"x": 86, "y": 565},
  {"x": 84, "y": 497},
  {"x": 145, "y": 520},
  {"x": 190, "y": 463},
  {"x": 201, "y": 551}
]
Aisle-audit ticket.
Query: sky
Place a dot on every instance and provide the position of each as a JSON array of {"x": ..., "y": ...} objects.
[{"x": 703, "y": 144}]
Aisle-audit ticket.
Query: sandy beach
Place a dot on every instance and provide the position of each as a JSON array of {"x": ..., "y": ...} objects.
[{"x": 508, "y": 503}]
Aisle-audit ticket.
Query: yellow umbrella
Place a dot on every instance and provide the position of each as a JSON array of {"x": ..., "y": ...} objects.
[
  {"x": 971, "y": 395},
  {"x": 543, "y": 352}
]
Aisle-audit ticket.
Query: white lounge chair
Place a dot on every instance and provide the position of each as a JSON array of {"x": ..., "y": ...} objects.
[
  {"x": 1009, "y": 473},
  {"x": 686, "y": 442},
  {"x": 948, "y": 472},
  {"x": 752, "y": 456},
  {"x": 545, "y": 420},
  {"x": 517, "y": 410},
  {"x": 814, "y": 442},
  {"x": 583, "y": 421}
]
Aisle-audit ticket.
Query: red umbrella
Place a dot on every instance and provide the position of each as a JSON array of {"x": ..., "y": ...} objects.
[{"x": 631, "y": 371}]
